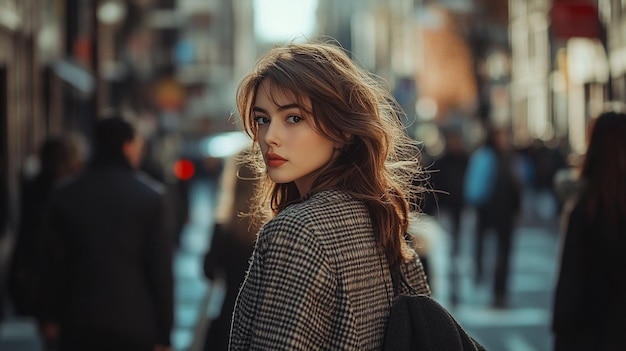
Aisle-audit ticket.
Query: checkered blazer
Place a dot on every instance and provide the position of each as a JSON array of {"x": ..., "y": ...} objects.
[{"x": 318, "y": 281}]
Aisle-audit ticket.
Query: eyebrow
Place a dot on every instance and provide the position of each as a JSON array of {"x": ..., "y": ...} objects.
[{"x": 280, "y": 108}]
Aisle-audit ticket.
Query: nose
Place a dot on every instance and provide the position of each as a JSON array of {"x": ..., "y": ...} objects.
[{"x": 272, "y": 134}]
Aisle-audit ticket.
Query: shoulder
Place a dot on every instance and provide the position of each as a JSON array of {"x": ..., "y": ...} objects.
[
  {"x": 329, "y": 198},
  {"x": 574, "y": 218},
  {"x": 575, "y": 205},
  {"x": 67, "y": 185},
  {"x": 322, "y": 208},
  {"x": 328, "y": 210},
  {"x": 318, "y": 217},
  {"x": 149, "y": 183},
  {"x": 68, "y": 192}
]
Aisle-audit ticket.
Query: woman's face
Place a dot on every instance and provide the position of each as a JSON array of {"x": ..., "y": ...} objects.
[{"x": 292, "y": 150}]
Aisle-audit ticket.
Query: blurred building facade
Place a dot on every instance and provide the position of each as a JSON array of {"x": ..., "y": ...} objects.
[
  {"x": 613, "y": 17},
  {"x": 448, "y": 62},
  {"x": 568, "y": 61},
  {"x": 174, "y": 64},
  {"x": 27, "y": 91},
  {"x": 541, "y": 67}
]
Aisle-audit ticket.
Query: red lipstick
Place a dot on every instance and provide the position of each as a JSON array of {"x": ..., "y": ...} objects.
[{"x": 274, "y": 160}]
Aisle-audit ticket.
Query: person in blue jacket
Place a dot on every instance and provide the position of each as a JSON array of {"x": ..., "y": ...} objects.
[{"x": 493, "y": 189}]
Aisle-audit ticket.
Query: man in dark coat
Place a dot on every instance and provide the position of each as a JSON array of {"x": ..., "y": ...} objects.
[
  {"x": 449, "y": 177},
  {"x": 108, "y": 279}
]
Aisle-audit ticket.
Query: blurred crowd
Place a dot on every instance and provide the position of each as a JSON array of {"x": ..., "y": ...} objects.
[
  {"x": 75, "y": 193},
  {"x": 499, "y": 183}
]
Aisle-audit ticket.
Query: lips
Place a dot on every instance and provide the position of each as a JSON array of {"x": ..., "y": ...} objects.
[{"x": 274, "y": 160}]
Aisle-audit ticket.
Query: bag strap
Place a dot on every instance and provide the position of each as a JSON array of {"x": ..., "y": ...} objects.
[{"x": 398, "y": 279}]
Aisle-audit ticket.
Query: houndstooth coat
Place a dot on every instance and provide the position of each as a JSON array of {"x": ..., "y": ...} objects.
[{"x": 318, "y": 281}]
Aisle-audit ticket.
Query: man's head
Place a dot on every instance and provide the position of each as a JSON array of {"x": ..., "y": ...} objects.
[{"x": 116, "y": 139}]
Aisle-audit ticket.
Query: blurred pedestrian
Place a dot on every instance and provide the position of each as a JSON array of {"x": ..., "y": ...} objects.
[
  {"x": 59, "y": 158},
  {"x": 232, "y": 245},
  {"x": 567, "y": 181},
  {"x": 492, "y": 187},
  {"x": 327, "y": 140},
  {"x": 448, "y": 179},
  {"x": 589, "y": 306},
  {"x": 547, "y": 160},
  {"x": 108, "y": 283}
]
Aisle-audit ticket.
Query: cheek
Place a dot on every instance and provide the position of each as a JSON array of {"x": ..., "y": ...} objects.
[{"x": 261, "y": 141}]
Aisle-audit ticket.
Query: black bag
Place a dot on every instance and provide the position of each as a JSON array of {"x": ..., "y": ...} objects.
[{"x": 417, "y": 322}]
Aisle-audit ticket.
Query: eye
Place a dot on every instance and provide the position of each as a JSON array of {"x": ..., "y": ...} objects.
[
  {"x": 294, "y": 119},
  {"x": 260, "y": 120}
]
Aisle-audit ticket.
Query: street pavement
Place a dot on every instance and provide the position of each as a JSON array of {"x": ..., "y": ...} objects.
[{"x": 523, "y": 325}]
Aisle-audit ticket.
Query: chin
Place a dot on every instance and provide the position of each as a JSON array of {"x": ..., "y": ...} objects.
[
  {"x": 276, "y": 178},
  {"x": 279, "y": 180}
]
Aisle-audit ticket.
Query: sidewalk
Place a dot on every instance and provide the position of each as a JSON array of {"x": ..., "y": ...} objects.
[
  {"x": 524, "y": 324},
  {"x": 194, "y": 295}
]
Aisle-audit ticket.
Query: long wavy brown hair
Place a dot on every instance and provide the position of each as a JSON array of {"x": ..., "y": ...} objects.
[
  {"x": 604, "y": 166},
  {"x": 378, "y": 161}
]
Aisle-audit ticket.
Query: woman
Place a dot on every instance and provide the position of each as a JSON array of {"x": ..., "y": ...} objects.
[
  {"x": 231, "y": 246},
  {"x": 336, "y": 170},
  {"x": 589, "y": 305}
]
